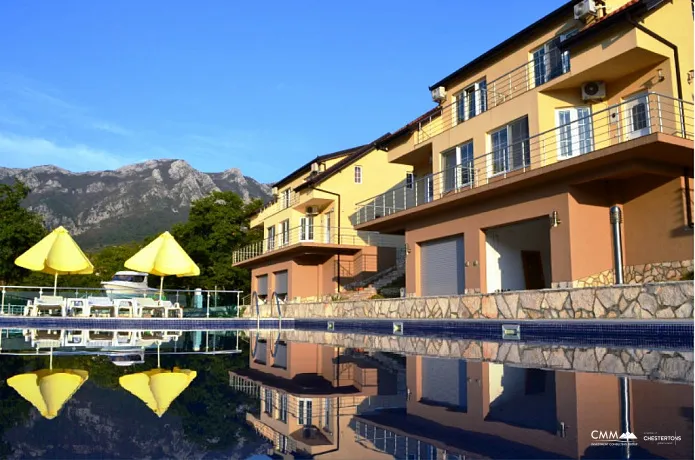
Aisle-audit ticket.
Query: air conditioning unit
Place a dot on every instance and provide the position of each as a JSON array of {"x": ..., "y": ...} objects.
[
  {"x": 584, "y": 10},
  {"x": 593, "y": 91},
  {"x": 312, "y": 210},
  {"x": 439, "y": 94},
  {"x": 275, "y": 191}
]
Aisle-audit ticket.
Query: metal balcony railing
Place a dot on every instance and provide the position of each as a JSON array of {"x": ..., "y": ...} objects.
[
  {"x": 486, "y": 95},
  {"x": 280, "y": 203},
  {"x": 316, "y": 235},
  {"x": 584, "y": 133}
]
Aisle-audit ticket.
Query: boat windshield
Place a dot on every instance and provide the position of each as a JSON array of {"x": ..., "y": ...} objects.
[{"x": 129, "y": 278}]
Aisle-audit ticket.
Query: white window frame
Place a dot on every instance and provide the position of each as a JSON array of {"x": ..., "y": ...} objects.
[
  {"x": 286, "y": 198},
  {"x": 284, "y": 232},
  {"x": 627, "y": 113},
  {"x": 479, "y": 92},
  {"x": 508, "y": 145},
  {"x": 458, "y": 151},
  {"x": 358, "y": 174},
  {"x": 305, "y": 409},
  {"x": 571, "y": 124},
  {"x": 547, "y": 68},
  {"x": 306, "y": 228},
  {"x": 271, "y": 238},
  {"x": 328, "y": 217}
]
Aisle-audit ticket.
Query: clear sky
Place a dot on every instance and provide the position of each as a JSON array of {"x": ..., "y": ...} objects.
[{"x": 258, "y": 85}]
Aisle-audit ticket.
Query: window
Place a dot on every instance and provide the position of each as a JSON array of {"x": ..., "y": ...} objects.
[
  {"x": 457, "y": 164},
  {"x": 409, "y": 180},
  {"x": 575, "y": 134},
  {"x": 549, "y": 62},
  {"x": 636, "y": 114},
  {"x": 510, "y": 147},
  {"x": 471, "y": 101},
  {"x": 305, "y": 415},
  {"x": 328, "y": 218},
  {"x": 306, "y": 228},
  {"x": 286, "y": 195},
  {"x": 271, "y": 238},
  {"x": 268, "y": 401},
  {"x": 327, "y": 415},
  {"x": 358, "y": 174},
  {"x": 284, "y": 232},
  {"x": 282, "y": 416}
]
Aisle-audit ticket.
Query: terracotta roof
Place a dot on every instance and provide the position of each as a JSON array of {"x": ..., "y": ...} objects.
[{"x": 612, "y": 13}]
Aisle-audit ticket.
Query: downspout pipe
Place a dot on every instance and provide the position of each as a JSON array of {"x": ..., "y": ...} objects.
[
  {"x": 679, "y": 90},
  {"x": 339, "y": 227},
  {"x": 616, "y": 219}
]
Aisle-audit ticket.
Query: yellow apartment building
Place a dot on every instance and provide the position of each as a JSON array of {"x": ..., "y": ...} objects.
[
  {"x": 308, "y": 395},
  {"x": 513, "y": 173},
  {"x": 311, "y": 249}
]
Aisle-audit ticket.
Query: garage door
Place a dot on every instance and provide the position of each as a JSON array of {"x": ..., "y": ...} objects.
[{"x": 441, "y": 268}]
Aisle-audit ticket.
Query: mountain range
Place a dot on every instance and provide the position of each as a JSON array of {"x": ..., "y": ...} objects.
[{"x": 102, "y": 208}]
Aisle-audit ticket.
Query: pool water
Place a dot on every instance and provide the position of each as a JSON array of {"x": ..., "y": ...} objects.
[{"x": 264, "y": 394}]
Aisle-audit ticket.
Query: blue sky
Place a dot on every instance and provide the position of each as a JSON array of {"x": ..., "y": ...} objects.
[{"x": 262, "y": 86}]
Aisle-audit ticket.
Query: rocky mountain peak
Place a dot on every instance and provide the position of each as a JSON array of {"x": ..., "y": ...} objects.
[{"x": 127, "y": 204}]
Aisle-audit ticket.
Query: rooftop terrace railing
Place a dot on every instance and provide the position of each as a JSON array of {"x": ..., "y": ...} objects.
[
  {"x": 485, "y": 95},
  {"x": 312, "y": 234},
  {"x": 280, "y": 203},
  {"x": 583, "y": 133}
]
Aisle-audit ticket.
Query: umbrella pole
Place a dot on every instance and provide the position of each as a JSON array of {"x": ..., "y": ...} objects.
[
  {"x": 50, "y": 360},
  {"x": 161, "y": 287},
  {"x": 158, "y": 363},
  {"x": 55, "y": 283}
]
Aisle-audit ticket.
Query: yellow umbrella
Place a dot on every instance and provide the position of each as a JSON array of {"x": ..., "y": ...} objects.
[
  {"x": 56, "y": 254},
  {"x": 163, "y": 257},
  {"x": 158, "y": 387},
  {"x": 48, "y": 389}
]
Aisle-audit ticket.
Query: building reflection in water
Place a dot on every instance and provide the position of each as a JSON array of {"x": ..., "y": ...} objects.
[{"x": 340, "y": 403}]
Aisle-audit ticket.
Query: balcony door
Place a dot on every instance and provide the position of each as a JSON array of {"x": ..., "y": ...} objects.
[
  {"x": 328, "y": 218},
  {"x": 574, "y": 131},
  {"x": 636, "y": 116},
  {"x": 306, "y": 228},
  {"x": 305, "y": 412}
]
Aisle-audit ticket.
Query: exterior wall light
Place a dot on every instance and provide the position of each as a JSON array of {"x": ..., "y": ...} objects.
[
  {"x": 660, "y": 72},
  {"x": 407, "y": 248},
  {"x": 554, "y": 219}
]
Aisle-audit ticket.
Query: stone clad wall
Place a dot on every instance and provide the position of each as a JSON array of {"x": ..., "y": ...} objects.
[
  {"x": 667, "y": 366},
  {"x": 646, "y": 301},
  {"x": 637, "y": 274}
]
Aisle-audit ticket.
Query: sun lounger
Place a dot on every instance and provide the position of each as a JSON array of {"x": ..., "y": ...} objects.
[
  {"x": 124, "y": 308},
  {"x": 149, "y": 308},
  {"x": 101, "y": 338},
  {"x": 75, "y": 338},
  {"x": 100, "y": 306},
  {"x": 45, "y": 305},
  {"x": 77, "y": 307},
  {"x": 43, "y": 338}
]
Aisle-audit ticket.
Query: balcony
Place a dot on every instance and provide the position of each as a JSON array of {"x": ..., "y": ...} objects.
[
  {"x": 328, "y": 240},
  {"x": 278, "y": 204},
  {"x": 488, "y": 95},
  {"x": 631, "y": 123}
]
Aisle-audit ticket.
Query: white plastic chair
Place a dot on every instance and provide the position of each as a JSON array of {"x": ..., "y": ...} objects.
[
  {"x": 48, "y": 303},
  {"x": 77, "y": 307},
  {"x": 126, "y": 306},
  {"x": 98, "y": 304}
]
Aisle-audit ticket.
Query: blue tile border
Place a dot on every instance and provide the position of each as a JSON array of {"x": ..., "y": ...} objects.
[
  {"x": 149, "y": 324},
  {"x": 669, "y": 334}
]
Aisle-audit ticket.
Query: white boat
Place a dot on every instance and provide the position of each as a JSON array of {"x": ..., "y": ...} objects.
[{"x": 128, "y": 283}]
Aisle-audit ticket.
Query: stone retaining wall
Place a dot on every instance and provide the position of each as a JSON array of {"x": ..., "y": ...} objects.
[
  {"x": 668, "y": 366},
  {"x": 646, "y": 301},
  {"x": 637, "y": 274}
]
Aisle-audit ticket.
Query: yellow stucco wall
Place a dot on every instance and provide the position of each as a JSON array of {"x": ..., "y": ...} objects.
[
  {"x": 628, "y": 60},
  {"x": 378, "y": 176}
]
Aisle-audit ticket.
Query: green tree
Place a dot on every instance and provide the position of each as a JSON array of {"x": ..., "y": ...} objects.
[
  {"x": 217, "y": 225},
  {"x": 20, "y": 229}
]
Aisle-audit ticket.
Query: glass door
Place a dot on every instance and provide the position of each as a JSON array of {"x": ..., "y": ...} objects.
[
  {"x": 327, "y": 228},
  {"x": 306, "y": 228},
  {"x": 636, "y": 115},
  {"x": 575, "y": 133}
]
